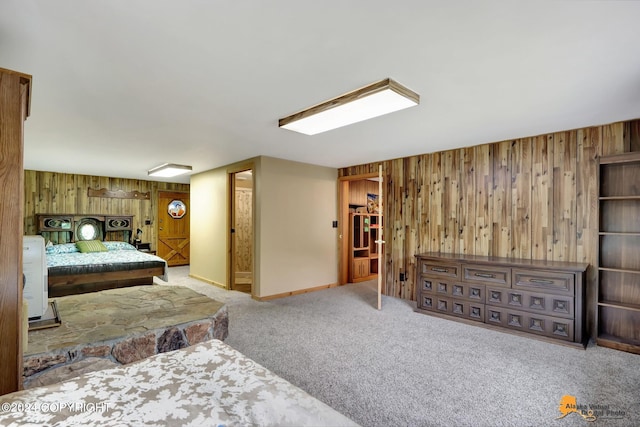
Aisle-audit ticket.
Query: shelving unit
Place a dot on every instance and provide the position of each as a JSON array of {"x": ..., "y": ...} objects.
[
  {"x": 618, "y": 312},
  {"x": 363, "y": 251}
]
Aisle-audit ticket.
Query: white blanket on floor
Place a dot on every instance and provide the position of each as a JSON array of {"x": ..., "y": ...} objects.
[{"x": 208, "y": 384}]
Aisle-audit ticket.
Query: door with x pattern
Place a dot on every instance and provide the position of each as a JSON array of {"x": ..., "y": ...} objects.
[{"x": 173, "y": 227}]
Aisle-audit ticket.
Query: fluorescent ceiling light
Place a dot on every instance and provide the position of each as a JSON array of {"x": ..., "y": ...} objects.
[
  {"x": 168, "y": 170},
  {"x": 376, "y": 99}
]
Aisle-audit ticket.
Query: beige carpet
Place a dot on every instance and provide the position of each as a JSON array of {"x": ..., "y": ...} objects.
[{"x": 396, "y": 367}]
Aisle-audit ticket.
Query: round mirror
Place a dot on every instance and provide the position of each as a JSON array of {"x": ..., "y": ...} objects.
[{"x": 88, "y": 230}]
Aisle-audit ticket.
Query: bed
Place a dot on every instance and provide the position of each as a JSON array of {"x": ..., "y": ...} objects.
[
  {"x": 205, "y": 384},
  {"x": 71, "y": 271},
  {"x": 118, "y": 264}
]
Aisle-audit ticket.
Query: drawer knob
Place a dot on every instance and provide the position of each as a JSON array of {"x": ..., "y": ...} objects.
[
  {"x": 439, "y": 270},
  {"x": 486, "y": 275}
]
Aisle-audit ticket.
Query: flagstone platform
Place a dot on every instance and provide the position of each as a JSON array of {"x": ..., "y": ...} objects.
[{"x": 120, "y": 326}]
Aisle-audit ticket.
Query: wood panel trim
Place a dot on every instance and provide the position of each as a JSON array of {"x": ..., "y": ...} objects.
[
  {"x": 75, "y": 279},
  {"x": 620, "y": 158},
  {"x": 211, "y": 282},
  {"x": 358, "y": 176},
  {"x": 118, "y": 194},
  {"x": 292, "y": 293}
]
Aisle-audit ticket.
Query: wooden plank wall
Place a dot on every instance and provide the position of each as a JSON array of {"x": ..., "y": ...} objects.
[
  {"x": 358, "y": 191},
  {"x": 53, "y": 192},
  {"x": 244, "y": 230},
  {"x": 532, "y": 198}
]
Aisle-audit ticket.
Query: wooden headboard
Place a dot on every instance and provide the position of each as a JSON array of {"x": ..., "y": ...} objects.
[{"x": 64, "y": 228}]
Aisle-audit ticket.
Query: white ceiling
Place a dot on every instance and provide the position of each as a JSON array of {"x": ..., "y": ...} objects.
[{"x": 121, "y": 86}]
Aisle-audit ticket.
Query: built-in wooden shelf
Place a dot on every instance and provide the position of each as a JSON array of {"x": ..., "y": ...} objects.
[
  {"x": 618, "y": 307},
  {"x": 619, "y": 270},
  {"x": 611, "y": 341},
  {"x": 364, "y": 230},
  {"x": 620, "y": 198}
]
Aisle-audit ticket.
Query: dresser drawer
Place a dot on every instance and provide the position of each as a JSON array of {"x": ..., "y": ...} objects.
[
  {"x": 536, "y": 302},
  {"x": 496, "y": 296},
  {"x": 436, "y": 285},
  {"x": 433, "y": 302},
  {"x": 489, "y": 275},
  {"x": 545, "y": 281},
  {"x": 426, "y": 301},
  {"x": 467, "y": 309},
  {"x": 454, "y": 307},
  {"x": 468, "y": 291},
  {"x": 437, "y": 269},
  {"x": 554, "y": 327}
]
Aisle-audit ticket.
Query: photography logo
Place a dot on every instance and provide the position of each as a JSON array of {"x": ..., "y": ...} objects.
[{"x": 569, "y": 405}]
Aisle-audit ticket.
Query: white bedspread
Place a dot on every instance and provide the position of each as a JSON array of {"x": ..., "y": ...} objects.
[{"x": 208, "y": 384}]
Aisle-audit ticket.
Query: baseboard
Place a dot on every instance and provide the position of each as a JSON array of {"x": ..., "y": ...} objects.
[
  {"x": 292, "y": 293},
  {"x": 211, "y": 282}
]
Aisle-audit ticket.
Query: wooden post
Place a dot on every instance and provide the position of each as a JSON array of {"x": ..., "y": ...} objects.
[
  {"x": 14, "y": 108},
  {"x": 380, "y": 240}
]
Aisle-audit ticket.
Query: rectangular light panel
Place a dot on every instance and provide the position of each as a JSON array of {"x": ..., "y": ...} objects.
[{"x": 374, "y": 100}]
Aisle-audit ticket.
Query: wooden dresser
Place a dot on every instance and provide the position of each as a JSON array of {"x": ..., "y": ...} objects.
[{"x": 543, "y": 299}]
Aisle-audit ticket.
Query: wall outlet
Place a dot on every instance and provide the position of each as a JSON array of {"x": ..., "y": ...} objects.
[
  {"x": 334, "y": 224},
  {"x": 147, "y": 222},
  {"x": 402, "y": 278}
]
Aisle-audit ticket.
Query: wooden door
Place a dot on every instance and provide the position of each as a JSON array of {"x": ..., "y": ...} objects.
[
  {"x": 173, "y": 227},
  {"x": 380, "y": 241},
  {"x": 242, "y": 234}
]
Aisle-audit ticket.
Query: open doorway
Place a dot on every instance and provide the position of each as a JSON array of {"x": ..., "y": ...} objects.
[
  {"x": 241, "y": 234},
  {"x": 361, "y": 226}
]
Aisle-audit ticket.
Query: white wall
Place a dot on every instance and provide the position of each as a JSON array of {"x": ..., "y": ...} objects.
[
  {"x": 297, "y": 244},
  {"x": 209, "y": 226}
]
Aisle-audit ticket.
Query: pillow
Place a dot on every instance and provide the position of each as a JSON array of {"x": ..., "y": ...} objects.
[
  {"x": 119, "y": 246},
  {"x": 63, "y": 248},
  {"x": 87, "y": 246}
]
